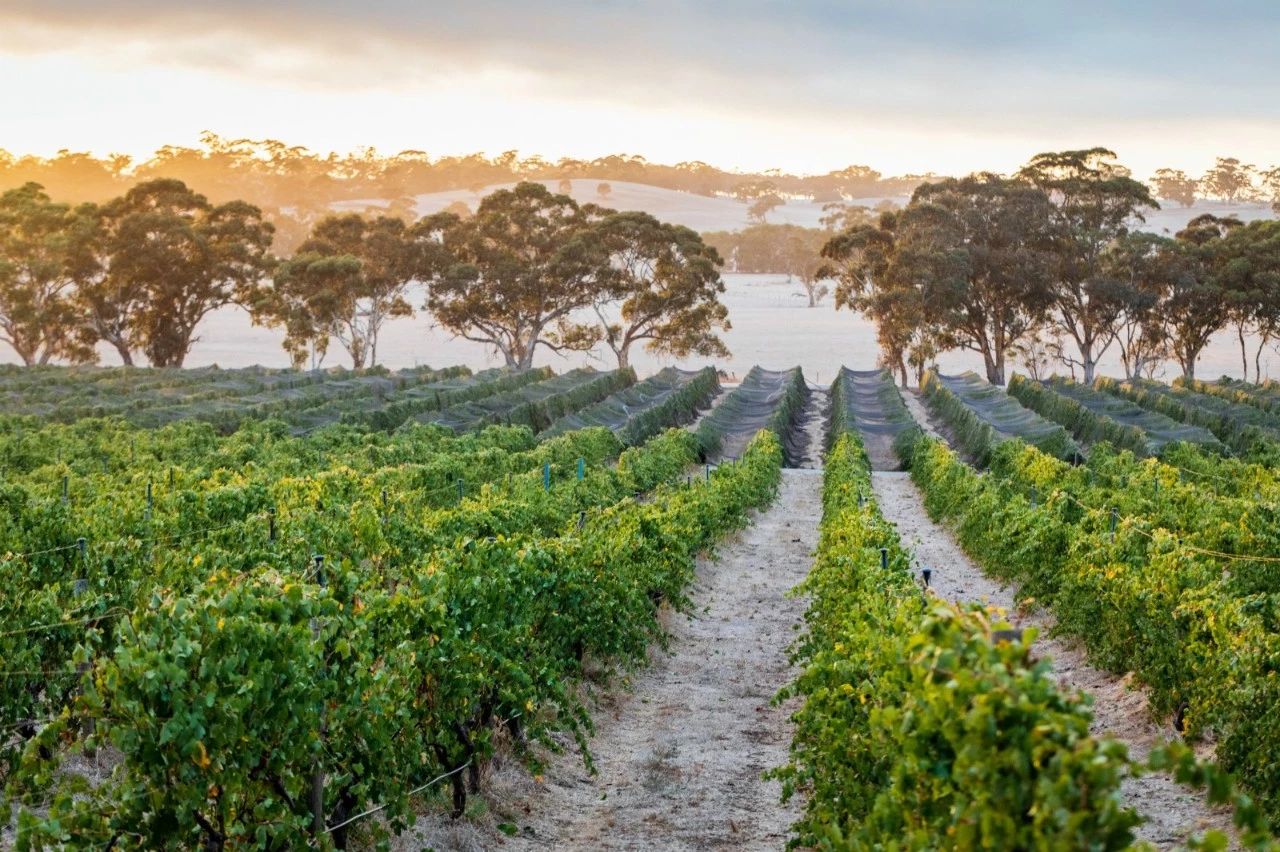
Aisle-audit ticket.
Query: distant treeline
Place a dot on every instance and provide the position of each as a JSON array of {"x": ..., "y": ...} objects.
[{"x": 272, "y": 174}]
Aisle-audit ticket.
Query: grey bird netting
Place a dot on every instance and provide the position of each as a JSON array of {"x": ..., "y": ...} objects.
[
  {"x": 1157, "y": 428},
  {"x": 766, "y": 399},
  {"x": 869, "y": 401},
  {"x": 668, "y": 398},
  {"x": 992, "y": 406},
  {"x": 536, "y": 405}
]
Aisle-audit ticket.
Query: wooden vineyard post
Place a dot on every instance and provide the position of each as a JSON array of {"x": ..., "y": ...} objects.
[{"x": 546, "y": 477}]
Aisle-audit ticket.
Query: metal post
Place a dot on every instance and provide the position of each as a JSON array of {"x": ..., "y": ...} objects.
[
  {"x": 884, "y": 559},
  {"x": 708, "y": 473},
  {"x": 66, "y": 488},
  {"x": 459, "y": 483},
  {"x": 271, "y": 524},
  {"x": 582, "y": 468},
  {"x": 546, "y": 477}
]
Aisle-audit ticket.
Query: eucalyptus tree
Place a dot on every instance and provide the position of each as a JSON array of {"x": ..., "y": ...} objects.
[
  {"x": 151, "y": 265},
  {"x": 348, "y": 279},
  {"x": 517, "y": 271},
  {"x": 1094, "y": 203},
  {"x": 665, "y": 288},
  {"x": 37, "y": 314}
]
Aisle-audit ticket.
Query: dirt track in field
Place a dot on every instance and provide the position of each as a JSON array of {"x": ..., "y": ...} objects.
[
  {"x": 1172, "y": 812},
  {"x": 680, "y": 754}
]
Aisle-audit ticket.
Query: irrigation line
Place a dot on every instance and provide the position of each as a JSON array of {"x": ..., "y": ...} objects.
[
  {"x": 1133, "y": 524},
  {"x": 413, "y": 792},
  {"x": 111, "y": 613}
]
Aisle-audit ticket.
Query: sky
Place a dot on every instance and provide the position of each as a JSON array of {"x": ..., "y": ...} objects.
[{"x": 806, "y": 86}]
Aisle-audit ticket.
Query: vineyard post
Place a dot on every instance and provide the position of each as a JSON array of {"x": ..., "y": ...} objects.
[
  {"x": 546, "y": 477},
  {"x": 317, "y": 775},
  {"x": 1035, "y": 497},
  {"x": 80, "y": 587},
  {"x": 884, "y": 559},
  {"x": 459, "y": 484},
  {"x": 150, "y": 505},
  {"x": 271, "y": 524},
  {"x": 1114, "y": 516},
  {"x": 66, "y": 488},
  {"x": 582, "y": 468},
  {"x": 708, "y": 473},
  {"x": 170, "y": 477}
]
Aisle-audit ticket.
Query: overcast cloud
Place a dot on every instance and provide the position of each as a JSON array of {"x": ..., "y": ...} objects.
[{"x": 982, "y": 67}]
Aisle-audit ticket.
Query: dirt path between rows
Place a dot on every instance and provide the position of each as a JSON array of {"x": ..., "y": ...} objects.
[
  {"x": 1173, "y": 812},
  {"x": 680, "y": 755}
]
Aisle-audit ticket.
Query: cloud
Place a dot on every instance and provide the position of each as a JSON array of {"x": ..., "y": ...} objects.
[
  {"x": 952, "y": 59},
  {"x": 1063, "y": 69}
]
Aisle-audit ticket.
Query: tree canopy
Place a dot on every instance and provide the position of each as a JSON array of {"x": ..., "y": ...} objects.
[
  {"x": 518, "y": 270},
  {"x": 345, "y": 282},
  {"x": 37, "y": 249},
  {"x": 666, "y": 289}
]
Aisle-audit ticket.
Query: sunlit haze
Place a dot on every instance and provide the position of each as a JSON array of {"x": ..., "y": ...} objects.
[{"x": 805, "y": 87}]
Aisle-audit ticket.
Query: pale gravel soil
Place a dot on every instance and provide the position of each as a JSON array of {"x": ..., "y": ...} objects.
[
  {"x": 1173, "y": 812},
  {"x": 680, "y": 755}
]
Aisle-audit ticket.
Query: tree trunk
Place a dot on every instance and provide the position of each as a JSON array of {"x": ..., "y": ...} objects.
[
  {"x": 1244, "y": 352},
  {"x": 624, "y": 356},
  {"x": 1187, "y": 360},
  {"x": 994, "y": 365},
  {"x": 1087, "y": 363},
  {"x": 125, "y": 355}
]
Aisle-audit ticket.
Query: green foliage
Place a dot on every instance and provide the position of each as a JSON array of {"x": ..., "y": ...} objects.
[
  {"x": 1115, "y": 416},
  {"x": 1085, "y": 425},
  {"x": 1131, "y": 559},
  {"x": 426, "y": 637},
  {"x": 918, "y": 730},
  {"x": 982, "y": 415},
  {"x": 868, "y": 402},
  {"x": 666, "y": 289}
]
